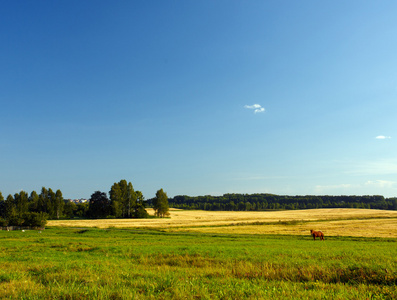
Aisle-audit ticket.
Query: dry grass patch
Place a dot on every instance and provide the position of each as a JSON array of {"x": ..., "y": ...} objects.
[
  {"x": 359, "y": 228},
  {"x": 14, "y": 288},
  {"x": 343, "y": 222}
]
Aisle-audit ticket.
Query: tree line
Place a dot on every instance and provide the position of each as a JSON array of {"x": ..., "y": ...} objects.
[
  {"x": 23, "y": 209},
  {"x": 260, "y": 202},
  {"x": 35, "y": 209},
  {"x": 31, "y": 210}
]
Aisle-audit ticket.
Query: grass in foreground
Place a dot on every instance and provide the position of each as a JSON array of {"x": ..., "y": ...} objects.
[{"x": 136, "y": 264}]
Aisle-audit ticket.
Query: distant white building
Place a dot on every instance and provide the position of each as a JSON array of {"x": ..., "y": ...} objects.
[{"x": 77, "y": 201}]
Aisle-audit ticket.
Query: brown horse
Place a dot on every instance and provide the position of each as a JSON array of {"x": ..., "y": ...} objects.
[{"x": 317, "y": 234}]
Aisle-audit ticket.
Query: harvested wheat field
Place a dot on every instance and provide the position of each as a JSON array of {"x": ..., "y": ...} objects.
[
  {"x": 333, "y": 222},
  {"x": 358, "y": 228}
]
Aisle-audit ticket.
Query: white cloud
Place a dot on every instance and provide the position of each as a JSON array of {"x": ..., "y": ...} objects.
[
  {"x": 253, "y": 106},
  {"x": 256, "y": 107},
  {"x": 382, "y": 137},
  {"x": 380, "y": 183}
]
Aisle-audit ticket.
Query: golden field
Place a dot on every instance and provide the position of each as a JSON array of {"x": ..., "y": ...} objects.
[{"x": 333, "y": 222}]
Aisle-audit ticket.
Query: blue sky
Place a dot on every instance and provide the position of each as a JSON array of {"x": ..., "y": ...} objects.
[{"x": 199, "y": 97}]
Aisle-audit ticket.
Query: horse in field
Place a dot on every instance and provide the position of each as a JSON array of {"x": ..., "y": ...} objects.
[{"x": 318, "y": 234}]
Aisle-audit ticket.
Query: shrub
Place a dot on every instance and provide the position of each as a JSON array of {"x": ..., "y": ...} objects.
[
  {"x": 15, "y": 220},
  {"x": 3, "y": 222},
  {"x": 141, "y": 213},
  {"x": 34, "y": 219}
]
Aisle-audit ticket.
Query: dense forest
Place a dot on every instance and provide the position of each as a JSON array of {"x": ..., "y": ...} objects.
[
  {"x": 259, "y": 202},
  {"x": 34, "y": 209}
]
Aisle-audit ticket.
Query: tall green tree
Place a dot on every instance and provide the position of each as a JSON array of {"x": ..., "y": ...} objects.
[
  {"x": 21, "y": 203},
  {"x": 58, "y": 204},
  {"x": 51, "y": 200},
  {"x": 99, "y": 205},
  {"x": 42, "y": 201},
  {"x": 10, "y": 207},
  {"x": 2, "y": 206},
  {"x": 123, "y": 197},
  {"x": 160, "y": 204},
  {"x": 13, "y": 217},
  {"x": 140, "y": 211},
  {"x": 69, "y": 210},
  {"x": 130, "y": 200},
  {"x": 3, "y": 221},
  {"x": 116, "y": 201},
  {"x": 33, "y": 201}
]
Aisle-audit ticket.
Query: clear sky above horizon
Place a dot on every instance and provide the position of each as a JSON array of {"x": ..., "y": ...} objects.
[{"x": 199, "y": 97}]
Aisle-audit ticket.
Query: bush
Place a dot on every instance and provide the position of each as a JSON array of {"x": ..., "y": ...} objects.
[
  {"x": 34, "y": 219},
  {"x": 3, "y": 222},
  {"x": 15, "y": 220},
  {"x": 141, "y": 213}
]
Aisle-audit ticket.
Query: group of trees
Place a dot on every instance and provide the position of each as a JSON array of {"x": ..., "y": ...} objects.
[
  {"x": 35, "y": 209},
  {"x": 259, "y": 202},
  {"x": 124, "y": 202},
  {"x": 31, "y": 210}
]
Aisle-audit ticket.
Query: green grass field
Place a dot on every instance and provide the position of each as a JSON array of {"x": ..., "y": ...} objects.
[{"x": 67, "y": 263}]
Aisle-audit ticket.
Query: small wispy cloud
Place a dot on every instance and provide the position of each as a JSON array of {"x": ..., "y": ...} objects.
[
  {"x": 256, "y": 107},
  {"x": 380, "y": 183},
  {"x": 383, "y": 137}
]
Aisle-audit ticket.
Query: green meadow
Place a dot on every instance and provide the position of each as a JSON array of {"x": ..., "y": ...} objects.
[{"x": 67, "y": 263}]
